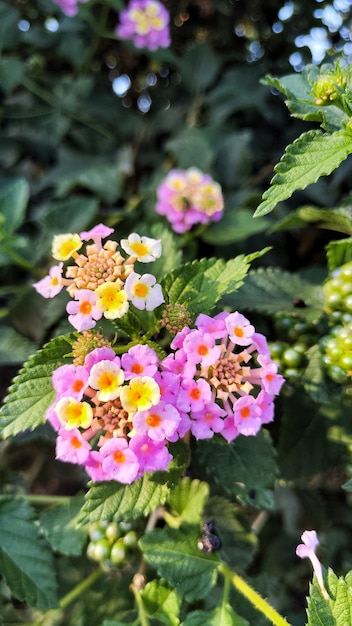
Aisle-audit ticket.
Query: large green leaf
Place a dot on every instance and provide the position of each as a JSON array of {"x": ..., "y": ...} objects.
[
  {"x": 236, "y": 225},
  {"x": 114, "y": 501},
  {"x": 310, "y": 156},
  {"x": 25, "y": 560},
  {"x": 200, "y": 284},
  {"x": 11, "y": 72},
  {"x": 31, "y": 392},
  {"x": 245, "y": 468},
  {"x": 272, "y": 290},
  {"x": 337, "y": 610},
  {"x": 14, "y": 348},
  {"x": 176, "y": 557}
]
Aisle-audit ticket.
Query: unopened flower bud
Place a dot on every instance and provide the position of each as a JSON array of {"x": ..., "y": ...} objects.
[
  {"x": 175, "y": 318},
  {"x": 85, "y": 343}
]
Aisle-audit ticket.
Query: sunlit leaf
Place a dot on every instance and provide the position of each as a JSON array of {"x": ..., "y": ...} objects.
[
  {"x": 176, "y": 557},
  {"x": 312, "y": 155}
]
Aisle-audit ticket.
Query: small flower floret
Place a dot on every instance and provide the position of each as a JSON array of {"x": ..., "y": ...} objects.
[{"x": 146, "y": 23}]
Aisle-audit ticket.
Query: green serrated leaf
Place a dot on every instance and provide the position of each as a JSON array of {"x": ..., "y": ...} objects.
[
  {"x": 272, "y": 290},
  {"x": 59, "y": 525},
  {"x": 114, "y": 501},
  {"x": 200, "y": 284},
  {"x": 338, "y": 253},
  {"x": 188, "y": 499},
  {"x": 310, "y": 156},
  {"x": 161, "y": 602},
  {"x": 342, "y": 608},
  {"x": 25, "y": 560},
  {"x": 245, "y": 468},
  {"x": 223, "y": 615},
  {"x": 31, "y": 392},
  {"x": 176, "y": 557}
]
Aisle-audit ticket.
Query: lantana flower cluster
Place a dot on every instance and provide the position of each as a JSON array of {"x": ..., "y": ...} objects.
[
  {"x": 101, "y": 282},
  {"x": 188, "y": 197},
  {"x": 146, "y": 23},
  {"x": 69, "y": 7},
  {"x": 117, "y": 415}
]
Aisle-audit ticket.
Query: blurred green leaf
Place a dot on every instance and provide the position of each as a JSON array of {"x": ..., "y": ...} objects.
[
  {"x": 176, "y": 557},
  {"x": 31, "y": 392},
  {"x": 199, "y": 67},
  {"x": 59, "y": 524},
  {"x": 14, "y": 348},
  {"x": 310, "y": 156},
  {"x": 11, "y": 71},
  {"x": 272, "y": 290},
  {"x": 246, "y": 468},
  {"x": 9, "y": 32},
  {"x": 223, "y": 615},
  {"x": 26, "y": 562},
  {"x": 339, "y": 219},
  {"x": 338, "y": 253},
  {"x": 236, "y": 225},
  {"x": 14, "y": 195},
  {"x": 191, "y": 148}
]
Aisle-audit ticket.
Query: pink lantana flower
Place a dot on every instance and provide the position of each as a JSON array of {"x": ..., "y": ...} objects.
[
  {"x": 146, "y": 23},
  {"x": 152, "y": 455},
  {"x": 83, "y": 312},
  {"x": 119, "y": 462},
  {"x": 69, "y": 7},
  {"x": 247, "y": 416},
  {"x": 70, "y": 380},
  {"x": 307, "y": 550},
  {"x": 93, "y": 467},
  {"x": 140, "y": 360},
  {"x": 208, "y": 421},
  {"x": 50, "y": 285},
  {"x": 200, "y": 348},
  {"x": 143, "y": 291},
  {"x": 239, "y": 328},
  {"x": 159, "y": 422},
  {"x": 271, "y": 380},
  {"x": 213, "y": 325},
  {"x": 194, "y": 394},
  {"x": 99, "y": 232},
  {"x": 71, "y": 447},
  {"x": 188, "y": 197},
  {"x": 100, "y": 354}
]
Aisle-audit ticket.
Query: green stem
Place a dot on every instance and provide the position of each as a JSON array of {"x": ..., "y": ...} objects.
[
  {"x": 257, "y": 600},
  {"x": 41, "y": 500},
  {"x": 141, "y": 611},
  {"x": 71, "y": 596}
]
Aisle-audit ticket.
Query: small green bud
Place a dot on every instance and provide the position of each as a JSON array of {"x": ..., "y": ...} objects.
[{"x": 175, "y": 318}]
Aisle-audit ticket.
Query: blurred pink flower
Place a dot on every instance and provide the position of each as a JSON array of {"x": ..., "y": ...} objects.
[{"x": 146, "y": 23}]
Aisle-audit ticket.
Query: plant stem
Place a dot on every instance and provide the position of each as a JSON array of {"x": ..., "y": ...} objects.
[
  {"x": 253, "y": 596},
  {"x": 41, "y": 499},
  {"x": 71, "y": 595}
]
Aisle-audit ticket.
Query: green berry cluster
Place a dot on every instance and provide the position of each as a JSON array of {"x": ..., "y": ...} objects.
[
  {"x": 337, "y": 353},
  {"x": 111, "y": 542},
  {"x": 294, "y": 337},
  {"x": 338, "y": 294}
]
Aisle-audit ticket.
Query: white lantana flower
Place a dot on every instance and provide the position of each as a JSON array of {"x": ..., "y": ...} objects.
[{"x": 145, "y": 249}]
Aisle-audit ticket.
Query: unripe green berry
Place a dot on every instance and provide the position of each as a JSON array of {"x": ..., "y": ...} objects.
[{"x": 117, "y": 554}]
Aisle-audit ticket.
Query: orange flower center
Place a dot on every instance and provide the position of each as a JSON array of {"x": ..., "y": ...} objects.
[
  {"x": 85, "y": 307},
  {"x": 153, "y": 420}
]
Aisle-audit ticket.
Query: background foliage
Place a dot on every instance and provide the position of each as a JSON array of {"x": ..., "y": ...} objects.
[{"x": 90, "y": 127}]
